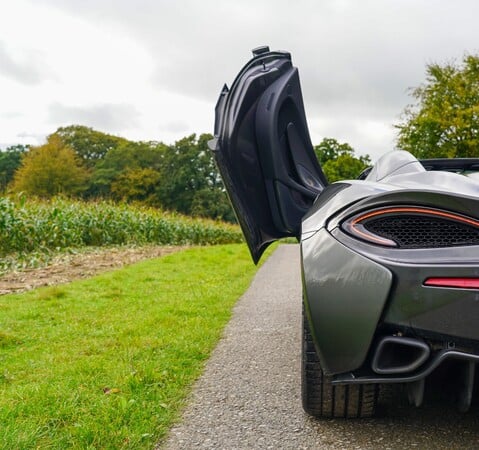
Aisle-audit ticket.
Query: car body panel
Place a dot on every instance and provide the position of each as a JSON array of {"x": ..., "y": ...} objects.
[
  {"x": 448, "y": 311},
  {"x": 344, "y": 300}
]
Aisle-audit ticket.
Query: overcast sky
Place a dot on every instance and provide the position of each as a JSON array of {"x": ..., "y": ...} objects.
[{"x": 152, "y": 69}]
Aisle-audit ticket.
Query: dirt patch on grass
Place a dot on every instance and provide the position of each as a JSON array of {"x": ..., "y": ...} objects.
[{"x": 66, "y": 268}]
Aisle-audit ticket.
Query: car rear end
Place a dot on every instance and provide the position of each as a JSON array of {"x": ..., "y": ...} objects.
[{"x": 392, "y": 289}]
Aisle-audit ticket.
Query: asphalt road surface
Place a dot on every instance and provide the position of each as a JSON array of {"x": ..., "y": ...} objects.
[{"x": 249, "y": 396}]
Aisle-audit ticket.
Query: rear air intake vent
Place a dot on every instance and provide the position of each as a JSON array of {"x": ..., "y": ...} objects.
[
  {"x": 414, "y": 227},
  {"x": 423, "y": 232}
]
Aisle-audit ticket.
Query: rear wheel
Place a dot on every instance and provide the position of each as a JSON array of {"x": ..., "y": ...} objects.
[{"x": 322, "y": 399}]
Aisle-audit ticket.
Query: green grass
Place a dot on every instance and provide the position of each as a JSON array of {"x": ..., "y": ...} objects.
[{"x": 106, "y": 363}]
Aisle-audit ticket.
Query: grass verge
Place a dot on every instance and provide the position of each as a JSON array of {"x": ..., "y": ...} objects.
[{"x": 106, "y": 363}]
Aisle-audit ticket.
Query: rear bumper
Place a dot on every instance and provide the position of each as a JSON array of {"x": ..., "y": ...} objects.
[
  {"x": 356, "y": 294},
  {"x": 426, "y": 369},
  {"x": 452, "y": 313}
]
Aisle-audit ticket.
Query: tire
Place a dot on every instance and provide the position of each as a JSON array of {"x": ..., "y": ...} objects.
[{"x": 321, "y": 399}]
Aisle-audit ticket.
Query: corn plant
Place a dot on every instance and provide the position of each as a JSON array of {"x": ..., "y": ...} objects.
[{"x": 42, "y": 226}]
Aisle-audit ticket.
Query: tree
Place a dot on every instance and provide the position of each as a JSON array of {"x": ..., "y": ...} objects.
[
  {"x": 50, "y": 169},
  {"x": 127, "y": 156},
  {"x": 137, "y": 185},
  {"x": 10, "y": 161},
  {"x": 134, "y": 155},
  {"x": 181, "y": 175},
  {"x": 444, "y": 121},
  {"x": 330, "y": 148},
  {"x": 345, "y": 167},
  {"x": 89, "y": 144},
  {"x": 212, "y": 203},
  {"x": 338, "y": 160},
  {"x": 190, "y": 182}
]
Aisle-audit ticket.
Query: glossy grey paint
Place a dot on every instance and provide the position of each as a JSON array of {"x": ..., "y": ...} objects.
[
  {"x": 397, "y": 163},
  {"x": 446, "y": 311},
  {"x": 345, "y": 294},
  {"x": 334, "y": 199}
]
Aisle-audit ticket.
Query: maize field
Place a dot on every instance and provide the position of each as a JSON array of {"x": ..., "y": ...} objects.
[{"x": 28, "y": 225}]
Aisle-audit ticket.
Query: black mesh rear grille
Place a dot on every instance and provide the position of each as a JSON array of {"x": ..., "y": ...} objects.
[{"x": 418, "y": 231}]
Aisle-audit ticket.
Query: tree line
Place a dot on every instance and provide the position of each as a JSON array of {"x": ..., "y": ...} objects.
[
  {"x": 82, "y": 162},
  {"x": 79, "y": 161}
]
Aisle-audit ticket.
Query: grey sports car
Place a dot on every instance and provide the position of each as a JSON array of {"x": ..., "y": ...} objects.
[{"x": 390, "y": 262}]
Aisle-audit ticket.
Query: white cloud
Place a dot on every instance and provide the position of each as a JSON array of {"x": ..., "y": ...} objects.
[
  {"x": 28, "y": 69},
  {"x": 112, "y": 117},
  {"x": 164, "y": 62}
]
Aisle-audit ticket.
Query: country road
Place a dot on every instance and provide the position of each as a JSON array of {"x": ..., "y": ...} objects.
[{"x": 249, "y": 395}]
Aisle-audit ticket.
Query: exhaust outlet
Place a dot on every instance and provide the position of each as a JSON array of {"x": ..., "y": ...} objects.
[{"x": 395, "y": 354}]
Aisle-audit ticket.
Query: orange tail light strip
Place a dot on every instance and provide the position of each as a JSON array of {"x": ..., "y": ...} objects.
[
  {"x": 358, "y": 229},
  {"x": 355, "y": 227},
  {"x": 461, "y": 283},
  {"x": 402, "y": 210}
]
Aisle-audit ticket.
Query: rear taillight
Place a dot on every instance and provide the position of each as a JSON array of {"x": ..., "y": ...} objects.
[
  {"x": 461, "y": 283},
  {"x": 413, "y": 227}
]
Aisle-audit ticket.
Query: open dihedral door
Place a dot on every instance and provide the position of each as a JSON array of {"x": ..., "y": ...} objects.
[{"x": 263, "y": 150}]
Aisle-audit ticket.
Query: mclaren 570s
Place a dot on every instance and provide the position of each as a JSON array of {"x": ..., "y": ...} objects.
[{"x": 390, "y": 261}]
